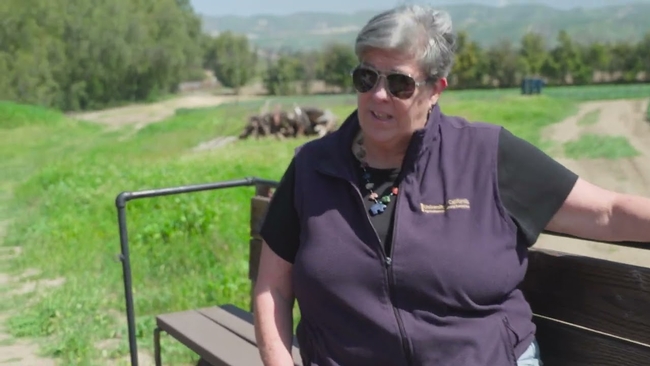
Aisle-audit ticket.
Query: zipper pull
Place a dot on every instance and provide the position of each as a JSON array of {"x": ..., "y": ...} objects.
[{"x": 388, "y": 261}]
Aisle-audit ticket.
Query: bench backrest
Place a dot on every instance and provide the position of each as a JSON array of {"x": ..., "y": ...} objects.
[{"x": 588, "y": 311}]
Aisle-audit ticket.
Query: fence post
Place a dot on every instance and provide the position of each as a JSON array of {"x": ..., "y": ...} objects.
[{"x": 259, "y": 204}]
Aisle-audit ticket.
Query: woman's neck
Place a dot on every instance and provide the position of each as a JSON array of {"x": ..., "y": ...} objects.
[{"x": 383, "y": 156}]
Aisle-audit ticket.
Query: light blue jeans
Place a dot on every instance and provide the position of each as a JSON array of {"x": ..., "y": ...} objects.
[{"x": 531, "y": 356}]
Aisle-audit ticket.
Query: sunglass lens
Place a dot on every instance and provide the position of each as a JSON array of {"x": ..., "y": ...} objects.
[
  {"x": 364, "y": 79},
  {"x": 401, "y": 86}
]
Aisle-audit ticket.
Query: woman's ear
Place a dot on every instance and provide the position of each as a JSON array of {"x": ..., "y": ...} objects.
[
  {"x": 441, "y": 85},
  {"x": 438, "y": 88}
]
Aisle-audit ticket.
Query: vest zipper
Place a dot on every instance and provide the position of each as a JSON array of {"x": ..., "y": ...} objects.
[
  {"x": 400, "y": 322},
  {"x": 388, "y": 274}
]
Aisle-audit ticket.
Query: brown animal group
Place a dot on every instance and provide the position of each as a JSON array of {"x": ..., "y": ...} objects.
[{"x": 294, "y": 123}]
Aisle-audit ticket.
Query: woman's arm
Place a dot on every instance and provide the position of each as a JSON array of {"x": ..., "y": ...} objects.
[
  {"x": 592, "y": 212},
  {"x": 541, "y": 194},
  {"x": 273, "y": 308}
]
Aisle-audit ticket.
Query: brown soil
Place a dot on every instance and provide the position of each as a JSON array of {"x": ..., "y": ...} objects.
[
  {"x": 19, "y": 352},
  {"x": 15, "y": 352},
  {"x": 632, "y": 175},
  {"x": 140, "y": 115}
]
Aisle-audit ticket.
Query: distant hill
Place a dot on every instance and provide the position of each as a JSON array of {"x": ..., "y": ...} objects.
[{"x": 485, "y": 24}]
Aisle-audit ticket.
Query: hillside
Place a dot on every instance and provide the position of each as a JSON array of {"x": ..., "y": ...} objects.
[{"x": 486, "y": 24}]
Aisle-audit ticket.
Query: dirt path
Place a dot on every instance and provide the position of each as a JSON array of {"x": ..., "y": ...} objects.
[
  {"x": 140, "y": 115},
  {"x": 632, "y": 175},
  {"x": 15, "y": 352}
]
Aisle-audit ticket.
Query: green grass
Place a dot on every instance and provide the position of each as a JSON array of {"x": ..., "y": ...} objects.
[
  {"x": 590, "y": 118},
  {"x": 573, "y": 93},
  {"x": 61, "y": 178},
  {"x": 590, "y": 146},
  {"x": 15, "y": 116},
  {"x": 599, "y": 92}
]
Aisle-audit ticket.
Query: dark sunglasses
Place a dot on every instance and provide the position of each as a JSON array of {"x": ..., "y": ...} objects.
[{"x": 400, "y": 85}]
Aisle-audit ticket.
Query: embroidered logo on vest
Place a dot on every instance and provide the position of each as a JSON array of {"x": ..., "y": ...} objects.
[{"x": 453, "y": 204}]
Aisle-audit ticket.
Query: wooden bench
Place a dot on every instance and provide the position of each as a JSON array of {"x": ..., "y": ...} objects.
[
  {"x": 588, "y": 312},
  {"x": 221, "y": 335}
]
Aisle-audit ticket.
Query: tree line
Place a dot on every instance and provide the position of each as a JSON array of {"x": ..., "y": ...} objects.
[
  {"x": 90, "y": 54},
  {"x": 501, "y": 65},
  {"x": 87, "y": 54}
]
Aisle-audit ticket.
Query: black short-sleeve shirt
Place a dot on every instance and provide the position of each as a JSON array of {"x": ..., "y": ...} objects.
[{"x": 532, "y": 187}]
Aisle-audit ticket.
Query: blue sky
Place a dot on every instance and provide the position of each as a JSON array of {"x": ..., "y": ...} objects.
[{"x": 253, "y": 7}]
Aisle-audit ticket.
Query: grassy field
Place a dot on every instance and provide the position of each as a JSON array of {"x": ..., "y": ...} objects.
[
  {"x": 591, "y": 146},
  {"x": 60, "y": 179},
  {"x": 590, "y": 118}
]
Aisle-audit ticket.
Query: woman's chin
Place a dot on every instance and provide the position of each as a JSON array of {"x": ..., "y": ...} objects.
[
  {"x": 378, "y": 135},
  {"x": 383, "y": 125}
]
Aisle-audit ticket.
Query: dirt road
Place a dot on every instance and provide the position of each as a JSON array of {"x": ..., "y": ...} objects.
[
  {"x": 140, "y": 115},
  {"x": 622, "y": 118}
]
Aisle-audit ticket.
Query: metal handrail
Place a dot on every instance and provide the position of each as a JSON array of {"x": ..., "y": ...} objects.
[{"x": 121, "y": 201}]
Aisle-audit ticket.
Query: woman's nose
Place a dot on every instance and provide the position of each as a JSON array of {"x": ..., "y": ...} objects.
[{"x": 380, "y": 92}]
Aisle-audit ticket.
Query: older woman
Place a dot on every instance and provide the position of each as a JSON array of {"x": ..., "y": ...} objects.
[{"x": 403, "y": 235}]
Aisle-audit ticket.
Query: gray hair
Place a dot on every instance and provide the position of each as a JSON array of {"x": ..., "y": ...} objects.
[{"x": 420, "y": 31}]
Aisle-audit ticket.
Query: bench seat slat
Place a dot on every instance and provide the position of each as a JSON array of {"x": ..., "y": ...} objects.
[
  {"x": 216, "y": 344},
  {"x": 240, "y": 322}
]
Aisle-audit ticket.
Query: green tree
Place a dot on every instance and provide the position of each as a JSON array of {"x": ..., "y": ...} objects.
[
  {"x": 281, "y": 75},
  {"x": 77, "y": 54},
  {"x": 337, "y": 62},
  {"x": 598, "y": 56},
  {"x": 232, "y": 59},
  {"x": 503, "y": 63},
  {"x": 309, "y": 69},
  {"x": 470, "y": 64},
  {"x": 567, "y": 59},
  {"x": 625, "y": 61},
  {"x": 643, "y": 54},
  {"x": 533, "y": 53}
]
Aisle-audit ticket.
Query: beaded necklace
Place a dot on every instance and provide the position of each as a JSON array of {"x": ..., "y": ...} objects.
[{"x": 380, "y": 203}]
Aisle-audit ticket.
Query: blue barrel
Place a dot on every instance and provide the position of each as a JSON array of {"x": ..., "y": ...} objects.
[
  {"x": 526, "y": 86},
  {"x": 537, "y": 85}
]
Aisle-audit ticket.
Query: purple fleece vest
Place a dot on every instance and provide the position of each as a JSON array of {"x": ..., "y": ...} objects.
[{"x": 449, "y": 295}]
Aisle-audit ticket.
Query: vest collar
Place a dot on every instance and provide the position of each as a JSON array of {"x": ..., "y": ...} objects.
[{"x": 340, "y": 162}]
